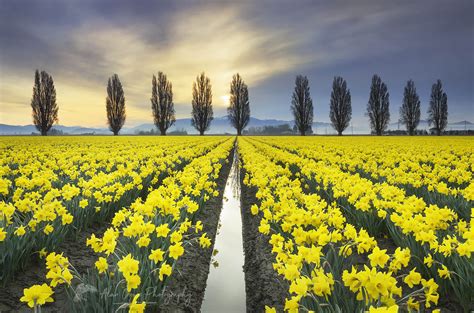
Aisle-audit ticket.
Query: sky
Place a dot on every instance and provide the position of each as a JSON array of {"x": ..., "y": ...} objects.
[{"x": 81, "y": 43}]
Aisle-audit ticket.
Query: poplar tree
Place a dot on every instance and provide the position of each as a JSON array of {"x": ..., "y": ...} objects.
[
  {"x": 410, "y": 109},
  {"x": 438, "y": 110},
  {"x": 340, "y": 106},
  {"x": 202, "y": 115},
  {"x": 238, "y": 111},
  {"x": 115, "y": 104},
  {"x": 302, "y": 105},
  {"x": 378, "y": 107},
  {"x": 43, "y": 102},
  {"x": 162, "y": 102}
]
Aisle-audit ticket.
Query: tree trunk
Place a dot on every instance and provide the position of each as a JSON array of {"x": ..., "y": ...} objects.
[
  {"x": 438, "y": 132},
  {"x": 302, "y": 133},
  {"x": 115, "y": 133},
  {"x": 201, "y": 133},
  {"x": 44, "y": 133},
  {"x": 239, "y": 132},
  {"x": 163, "y": 132},
  {"x": 339, "y": 133}
]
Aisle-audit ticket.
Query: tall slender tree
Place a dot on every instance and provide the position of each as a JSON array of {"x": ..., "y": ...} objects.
[
  {"x": 202, "y": 114},
  {"x": 302, "y": 105},
  {"x": 238, "y": 111},
  {"x": 115, "y": 104},
  {"x": 162, "y": 102},
  {"x": 340, "y": 106},
  {"x": 378, "y": 107},
  {"x": 410, "y": 109},
  {"x": 43, "y": 103},
  {"x": 438, "y": 110}
]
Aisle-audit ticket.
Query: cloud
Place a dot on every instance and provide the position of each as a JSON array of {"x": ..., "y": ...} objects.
[
  {"x": 219, "y": 43},
  {"x": 83, "y": 43}
]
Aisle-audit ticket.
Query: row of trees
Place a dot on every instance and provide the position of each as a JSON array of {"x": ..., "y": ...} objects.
[
  {"x": 163, "y": 107},
  {"x": 378, "y": 106},
  {"x": 45, "y": 108}
]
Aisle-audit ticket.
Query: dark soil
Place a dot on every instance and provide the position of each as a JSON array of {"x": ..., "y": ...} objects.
[
  {"x": 263, "y": 285},
  {"x": 184, "y": 291},
  {"x": 79, "y": 255}
]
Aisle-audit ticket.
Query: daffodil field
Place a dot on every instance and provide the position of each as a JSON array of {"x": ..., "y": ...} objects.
[
  {"x": 354, "y": 224},
  {"x": 147, "y": 189},
  {"x": 363, "y": 223}
]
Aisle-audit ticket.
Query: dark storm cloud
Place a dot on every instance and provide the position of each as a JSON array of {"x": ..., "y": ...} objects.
[
  {"x": 269, "y": 42},
  {"x": 399, "y": 40}
]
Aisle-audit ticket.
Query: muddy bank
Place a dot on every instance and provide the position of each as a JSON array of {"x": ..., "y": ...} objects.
[
  {"x": 263, "y": 285},
  {"x": 185, "y": 289}
]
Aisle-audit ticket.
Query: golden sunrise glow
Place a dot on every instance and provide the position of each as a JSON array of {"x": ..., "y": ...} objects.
[
  {"x": 215, "y": 47},
  {"x": 83, "y": 43},
  {"x": 226, "y": 100}
]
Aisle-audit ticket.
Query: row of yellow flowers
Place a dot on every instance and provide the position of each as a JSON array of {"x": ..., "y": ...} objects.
[
  {"x": 427, "y": 223},
  {"x": 60, "y": 185},
  {"x": 445, "y": 167},
  {"x": 137, "y": 253},
  {"x": 431, "y": 232},
  {"x": 288, "y": 195}
]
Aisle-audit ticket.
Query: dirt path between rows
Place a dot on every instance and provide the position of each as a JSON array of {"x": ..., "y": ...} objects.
[{"x": 263, "y": 285}]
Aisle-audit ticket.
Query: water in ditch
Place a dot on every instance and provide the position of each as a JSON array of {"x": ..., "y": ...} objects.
[{"x": 225, "y": 291}]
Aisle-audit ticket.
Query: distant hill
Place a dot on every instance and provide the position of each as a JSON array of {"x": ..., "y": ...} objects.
[
  {"x": 424, "y": 125},
  {"x": 16, "y": 129},
  {"x": 29, "y": 129},
  {"x": 220, "y": 125},
  {"x": 462, "y": 123}
]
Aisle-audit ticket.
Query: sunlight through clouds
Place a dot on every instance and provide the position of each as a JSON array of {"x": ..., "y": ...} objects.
[
  {"x": 220, "y": 44},
  {"x": 81, "y": 44}
]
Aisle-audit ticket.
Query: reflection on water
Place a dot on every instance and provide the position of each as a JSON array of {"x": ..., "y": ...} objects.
[{"x": 225, "y": 291}]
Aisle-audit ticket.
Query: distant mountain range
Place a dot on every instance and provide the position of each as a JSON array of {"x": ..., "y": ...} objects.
[
  {"x": 462, "y": 123},
  {"x": 219, "y": 125},
  {"x": 424, "y": 124}
]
